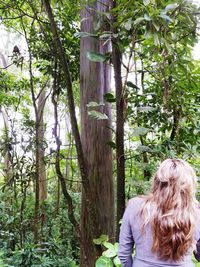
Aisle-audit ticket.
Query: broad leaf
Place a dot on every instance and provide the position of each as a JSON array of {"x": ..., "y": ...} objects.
[
  {"x": 147, "y": 17},
  {"x": 110, "y": 253},
  {"x": 156, "y": 26},
  {"x": 94, "y": 104},
  {"x": 132, "y": 85},
  {"x": 109, "y": 97},
  {"x": 171, "y": 7},
  {"x": 128, "y": 24},
  {"x": 138, "y": 20},
  {"x": 117, "y": 262},
  {"x": 144, "y": 149},
  {"x": 84, "y": 34},
  {"x": 104, "y": 262},
  {"x": 111, "y": 144},
  {"x": 156, "y": 39},
  {"x": 97, "y": 115},
  {"x": 96, "y": 57},
  {"x": 166, "y": 17},
  {"x": 100, "y": 240},
  {"x": 108, "y": 245},
  {"x": 140, "y": 131},
  {"x": 146, "y": 2},
  {"x": 146, "y": 109}
]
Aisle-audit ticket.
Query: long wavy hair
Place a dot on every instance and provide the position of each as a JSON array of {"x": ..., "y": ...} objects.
[{"x": 171, "y": 208}]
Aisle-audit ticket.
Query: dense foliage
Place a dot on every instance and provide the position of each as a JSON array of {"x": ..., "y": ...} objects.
[{"x": 161, "y": 81}]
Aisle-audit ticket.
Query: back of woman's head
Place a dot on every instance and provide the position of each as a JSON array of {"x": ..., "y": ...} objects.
[{"x": 171, "y": 209}]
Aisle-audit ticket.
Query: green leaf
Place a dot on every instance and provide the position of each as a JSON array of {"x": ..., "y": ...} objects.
[
  {"x": 166, "y": 17},
  {"x": 116, "y": 245},
  {"x": 96, "y": 57},
  {"x": 146, "y": 109},
  {"x": 108, "y": 245},
  {"x": 117, "y": 262},
  {"x": 109, "y": 97},
  {"x": 104, "y": 262},
  {"x": 132, "y": 85},
  {"x": 109, "y": 253},
  {"x": 128, "y": 24},
  {"x": 97, "y": 24},
  {"x": 138, "y": 20},
  {"x": 97, "y": 115},
  {"x": 93, "y": 104},
  {"x": 156, "y": 39},
  {"x": 111, "y": 144},
  {"x": 147, "y": 17},
  {"x": 156, "y": 26},
  {"x": 100, "y": 240},
  {"x": 171, "y": 7},
  {"x": 146, "y": 2},
  {"x": 140, "y": 131},
  {"x": 84, "y": 34},
  {"x": 144, "y": 149},
  {"x": 168, "y": 46}
]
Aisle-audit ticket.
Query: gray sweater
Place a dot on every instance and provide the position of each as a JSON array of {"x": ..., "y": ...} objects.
[{"x": 131, "y": 237}]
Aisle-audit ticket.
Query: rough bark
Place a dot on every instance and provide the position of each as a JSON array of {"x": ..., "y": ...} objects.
[{"x": 95, "y": 82}]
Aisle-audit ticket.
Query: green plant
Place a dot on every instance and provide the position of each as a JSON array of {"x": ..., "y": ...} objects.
[{"x": 109, "y": 256}]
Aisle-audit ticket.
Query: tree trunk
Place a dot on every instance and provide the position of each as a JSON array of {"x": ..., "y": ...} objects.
[
  {"x": 116, "y": 59},
  {"x": 95, "y": 82},
  {"x": 94, "y": 218},
  {"x": 70, "y": 99},
  {"x": 41, "y": 155},
  {"x": 8, "y": 172}
]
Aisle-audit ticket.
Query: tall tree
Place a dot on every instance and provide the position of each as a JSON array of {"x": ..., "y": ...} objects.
[
  {"x": 94, "y": 84},
  {"x": 97, "y": 184}
]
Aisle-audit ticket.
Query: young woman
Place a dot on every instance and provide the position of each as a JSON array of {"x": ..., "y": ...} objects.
[{"x": 164, "y": 226}]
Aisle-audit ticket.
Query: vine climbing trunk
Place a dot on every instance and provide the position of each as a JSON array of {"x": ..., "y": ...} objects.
[{"x": 117, "y": 63}]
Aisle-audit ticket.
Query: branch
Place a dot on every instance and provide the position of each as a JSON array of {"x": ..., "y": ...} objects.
[
  {"x": 6, "y": 67},
  {"x": 57, "y": 163}
]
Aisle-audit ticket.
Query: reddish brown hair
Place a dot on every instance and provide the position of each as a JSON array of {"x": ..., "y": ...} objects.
[{"x": 171, "y": 209}]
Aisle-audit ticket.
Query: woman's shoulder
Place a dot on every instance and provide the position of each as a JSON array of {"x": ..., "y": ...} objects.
[
  {"x": 134, "y": 206},
  {"x": 136, "y": 202}
]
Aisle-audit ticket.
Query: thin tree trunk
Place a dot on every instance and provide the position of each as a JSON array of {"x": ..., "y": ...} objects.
[
  {"x": 116, "y": 59},
  {"x": 41, "y": 155},
  {"x": 70, "y": 207},
  {"x": 8, "y": 173}
]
